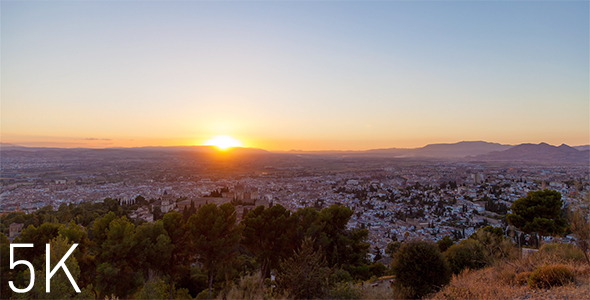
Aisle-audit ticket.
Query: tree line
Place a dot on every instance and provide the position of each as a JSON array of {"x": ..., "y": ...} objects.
[{"x": 200, "y": 254}]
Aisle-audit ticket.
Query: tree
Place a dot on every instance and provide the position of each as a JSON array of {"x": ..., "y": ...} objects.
[
  {"x": 269, "y": 234},
  {"x": 342, "y": 246},
  {"x": 214, "y": 236},
  {"x": 151, "y": 247},
  {"x": 378, "y": 255},
  {"x": 392, "y": 248},
  {"x": 539, "y": 211},
  {"x": 305, "y": 275},
  {"x": 7, "y": 273},
  {"x": 580, "y": 227},
  {"x": 38, "y": 237},
  {"x": 468, "y": 253},
  {"x": 61, "y": 287},
  {"x": 419, "y": 269},
  {"x": 179, "y": 255},
  {"x": 495, "y": 244},
  {"x": 116, "y": 271},
  {"x": 77, "y": 234},
  {"x": 445, "y": 243}
]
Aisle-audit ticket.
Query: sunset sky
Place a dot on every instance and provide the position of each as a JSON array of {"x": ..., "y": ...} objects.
[{"x": 294, "y": 74}]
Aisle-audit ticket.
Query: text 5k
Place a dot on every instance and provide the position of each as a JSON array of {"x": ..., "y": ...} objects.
[{"x": 48, "y": 274}]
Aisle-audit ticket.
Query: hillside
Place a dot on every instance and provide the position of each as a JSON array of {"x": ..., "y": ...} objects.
[
  {"x": 542, "y": 152},
  {"x": 508, "y": 280}
]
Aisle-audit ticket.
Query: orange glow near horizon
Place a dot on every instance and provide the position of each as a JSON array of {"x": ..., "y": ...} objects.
[{"x": 224, "y": 142}]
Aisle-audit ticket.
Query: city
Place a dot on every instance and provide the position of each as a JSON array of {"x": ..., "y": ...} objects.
[{"x": 394, "y": 198}]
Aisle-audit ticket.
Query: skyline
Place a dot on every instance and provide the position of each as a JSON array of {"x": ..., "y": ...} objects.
[{"x": 294, "y": 75}]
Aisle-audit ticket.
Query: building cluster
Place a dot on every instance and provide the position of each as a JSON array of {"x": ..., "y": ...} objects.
[{"x": 394, "y": 202}]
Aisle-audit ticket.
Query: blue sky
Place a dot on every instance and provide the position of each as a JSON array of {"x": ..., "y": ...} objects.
[{"x": 295, "y": 75}]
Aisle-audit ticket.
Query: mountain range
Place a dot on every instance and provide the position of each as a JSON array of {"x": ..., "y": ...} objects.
[
  {"x": 542, "y": 152},
  {"x": 465, "y": 150}
]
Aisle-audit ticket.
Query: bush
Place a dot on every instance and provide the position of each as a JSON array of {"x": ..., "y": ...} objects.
[
  {"x": 551, "y": 275},
  {"x": 248, "y": 288},
  {"x": 505, "y": 275},
  {"x": 566, "y": 252},
  {"x": 467, "y": 254},
  {"x": 522, "y": 278},
  {"x": 340, "y": 275},
  {"x": 378, "y": 269},
  {"x": 344, "y": 290},
  {"x": 445, "y": 243},
  {"x": 419, "y": 270}
]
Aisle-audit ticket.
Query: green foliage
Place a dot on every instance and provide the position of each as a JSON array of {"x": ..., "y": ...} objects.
[
  {"x": 118, "y": 259},
  {"x": 152, "y": 247},
  {"x": 378, "y": 255},
  {"x": 153, "y": 289},
  {"x": 551, "y": 275},
  {"x": 5, "y": 271},
  {"x": 539, "y": 211},
  {"x": 268, "y": 234},
  {"x": 116, "y": 271},
  {"x": 61, "y": 287},
  {"x": 75, "y": 233},
  {"x": 392, "y": 248},
  {"x": 158, "y": 289},
  {"x": 340, "y": 275},
  {"x": 342, "y": 247},
  {"x": 214, "y": 236},
  {"x": 38, "y": 237},
  {"x": 445, "y": 243},
  {"x": 248, "y": 288},
  {"x": 345, "y": 290},
  {"x": 468, "y": 253},
  {"x": 419, "y": 269},
  {"x": 377, "y": 269},
  {"x": 305, "y": 275},
  {"x": 495, "y": 244},
  {"x": 179, "y": 250}
]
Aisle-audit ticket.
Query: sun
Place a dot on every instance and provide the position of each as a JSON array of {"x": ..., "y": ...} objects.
[{"x": 223, "y": 142}]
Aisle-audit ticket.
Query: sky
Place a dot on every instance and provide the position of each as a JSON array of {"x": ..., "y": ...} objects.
[{"x": 281, "y": 75}]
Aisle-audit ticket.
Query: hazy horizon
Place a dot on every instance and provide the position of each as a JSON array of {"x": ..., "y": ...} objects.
[
  {"x": 294, "y": 75},
  {"x": 271, "y": 150}
]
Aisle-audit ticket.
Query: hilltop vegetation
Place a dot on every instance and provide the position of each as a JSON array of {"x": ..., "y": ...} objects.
[
  {"x": 190, "y": 255},
  {"x": 274, "y": 253}
]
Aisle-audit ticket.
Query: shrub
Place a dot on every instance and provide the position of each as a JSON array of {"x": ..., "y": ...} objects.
[
  {"x": 522, "y": 278},
  {"x": 445, "y": 243},
  {"x": 304, "y": 275},
  {"x": 507, "y": 276},
  {"x": 248, "y": 288},
  {"x": 344, "y": 290},
  {"x": 340, "y": 275},
  {"x": 551, "y": 275},
  {"x": 419, "y": 270},
  {"x": 467, "y": 254},
  {"x": 566, "y": 252},
  {"x": 378, "y": 269}
]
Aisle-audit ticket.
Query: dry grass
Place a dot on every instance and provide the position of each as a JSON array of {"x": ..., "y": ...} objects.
[{"x": 508, "y": 280}]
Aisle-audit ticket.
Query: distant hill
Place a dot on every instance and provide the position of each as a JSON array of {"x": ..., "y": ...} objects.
[
  {"x": 460, "y": 149},
  {"x": 542, "y": 152},
  {"x": 582, "y": 148},
  {"x": 123, "y": 153},
  {"x": 7, "y": 145},
  {"x": 454, "y": 150}
]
